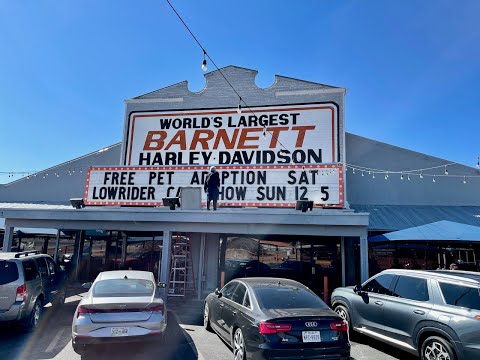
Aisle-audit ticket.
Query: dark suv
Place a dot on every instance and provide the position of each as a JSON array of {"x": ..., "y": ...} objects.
[
  {"x": 434, "y": 314},
  {"x": 28, "y": 281}
]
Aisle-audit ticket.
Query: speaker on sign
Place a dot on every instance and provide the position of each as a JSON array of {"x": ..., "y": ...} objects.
[{"x": 304, "y": 205}]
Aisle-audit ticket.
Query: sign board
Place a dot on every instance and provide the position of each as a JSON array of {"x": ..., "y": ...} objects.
[
  {"x": 271, "y": 135},
  {"x": 256, "y": 186}
]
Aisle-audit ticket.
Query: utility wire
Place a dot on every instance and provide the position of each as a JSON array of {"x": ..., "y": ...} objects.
[{"x": 221, "y": 72}]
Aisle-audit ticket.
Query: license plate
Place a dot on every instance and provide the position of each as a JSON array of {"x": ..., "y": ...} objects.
[
  {"x": 311, "y": 336},
  {"x": 119, "y": 331}
]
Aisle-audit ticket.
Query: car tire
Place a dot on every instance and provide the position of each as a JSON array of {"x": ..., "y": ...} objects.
[
  {"x": 80, "y": 350},
  {"x": 435, "y": 346},
  {"x": 60, "y": 300},
  {"x": 206, "y": 318},
  {"x": 239, "y": 351},
  {"x": 342, "y": 311},
  {"x": 35, "y": 316}
]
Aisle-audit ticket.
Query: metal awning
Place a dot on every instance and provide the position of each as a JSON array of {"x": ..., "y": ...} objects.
[{"x": 437, "y": 231}]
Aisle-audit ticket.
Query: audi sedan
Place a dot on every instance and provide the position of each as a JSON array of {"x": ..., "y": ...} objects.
[
  {"x": 272, "y": 318},
  {"x": 120, "y": 306}
]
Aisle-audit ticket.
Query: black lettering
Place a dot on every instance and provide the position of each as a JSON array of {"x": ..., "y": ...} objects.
[
  {"x": 261, "y": 195},
  {"x": 292, "y": 180}
]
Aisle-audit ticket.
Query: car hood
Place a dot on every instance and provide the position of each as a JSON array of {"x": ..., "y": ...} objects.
[{"x": 276, "y": 313}]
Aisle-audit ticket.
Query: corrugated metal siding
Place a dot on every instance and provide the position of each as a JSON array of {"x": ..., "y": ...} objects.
[{"x": 396, "y": 217}]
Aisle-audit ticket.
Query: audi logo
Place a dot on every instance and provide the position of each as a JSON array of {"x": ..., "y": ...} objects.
[{"x": 311, "y": 324}]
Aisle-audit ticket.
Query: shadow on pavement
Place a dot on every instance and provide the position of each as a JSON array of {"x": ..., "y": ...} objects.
[{"x": 382, "y": 347}]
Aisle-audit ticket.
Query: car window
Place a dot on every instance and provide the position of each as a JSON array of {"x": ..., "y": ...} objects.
[
  {"x": 42, "y": 266},
  {"x": 463, "y": 296},
  {"x": 123, "y": 288},
  {"x": 30, "y": 270},
  {"x": 239, "y": 294},
  {"x": 412, "y": 288},
  {"x": 287, "y": 297},
  {"x": 227, "y": 291},
  {"x": 51, "y": 266},
  {"x": 8, "y": 272},
  {"x": 246, "y": 301},
  {"x": 379, "y": 285}
]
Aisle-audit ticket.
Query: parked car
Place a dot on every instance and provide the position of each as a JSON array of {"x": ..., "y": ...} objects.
[
  {"x": 28, "y": 281},
  {"x": 120, "y": 306},
  {"x": 140, "y": 260},
  {"x": 272, "y": 318},
  {"x": 235, "y": 268},
  {"x": 433, "y": 314}
]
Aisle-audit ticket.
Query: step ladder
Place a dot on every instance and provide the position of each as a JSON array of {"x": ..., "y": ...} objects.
[{"x": 182, "y": 279}]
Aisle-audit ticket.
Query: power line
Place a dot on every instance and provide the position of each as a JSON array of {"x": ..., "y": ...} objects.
[{"x": 205, "y": 53}]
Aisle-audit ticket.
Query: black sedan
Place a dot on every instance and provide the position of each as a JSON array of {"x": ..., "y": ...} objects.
[{"x": 271, "y": 318}]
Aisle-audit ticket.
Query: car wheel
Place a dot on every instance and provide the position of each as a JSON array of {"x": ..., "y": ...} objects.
[
  {"x": 206, "y": 318},
  {"x": 343, "y": 313},
  {"x": 238, "y": 345},
  {"x": 80, "y": 350},
  {"x": 35, "y": 316},
  {"x": 437, "y": 348},
  {"x": 61, "y": 298}
]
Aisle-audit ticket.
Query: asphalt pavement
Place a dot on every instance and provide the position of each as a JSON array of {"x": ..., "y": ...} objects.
[{"x": 187, "y": 340}]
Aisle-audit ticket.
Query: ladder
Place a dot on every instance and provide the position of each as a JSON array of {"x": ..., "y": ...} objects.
[{"x": 182, "y": 279}]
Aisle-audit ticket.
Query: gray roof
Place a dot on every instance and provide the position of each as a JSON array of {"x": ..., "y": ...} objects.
[{"x": 399, "y": 217}]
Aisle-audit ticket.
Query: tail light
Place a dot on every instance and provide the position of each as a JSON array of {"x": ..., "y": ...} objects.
[
  {"x": 83, "y": 310},
  {"x": 21, "y": 293},
  {"x": 477, "y": 317},
  {"x": 273, "y": 328},
  {"x": 157, "y": 308},
  {"x": 339, "y": 325}
]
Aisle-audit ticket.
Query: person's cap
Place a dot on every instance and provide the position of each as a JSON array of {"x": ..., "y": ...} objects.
[{"x": 212, "y": 168}]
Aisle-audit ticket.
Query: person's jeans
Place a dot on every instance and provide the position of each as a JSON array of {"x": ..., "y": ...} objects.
[{"x": 212, "y": 195}]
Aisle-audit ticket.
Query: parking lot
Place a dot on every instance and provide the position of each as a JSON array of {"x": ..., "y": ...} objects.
[{"x": 187, "y": 340}]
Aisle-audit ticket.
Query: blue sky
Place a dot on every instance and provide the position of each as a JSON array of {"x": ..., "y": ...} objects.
[{"x": 411, "y": 68}]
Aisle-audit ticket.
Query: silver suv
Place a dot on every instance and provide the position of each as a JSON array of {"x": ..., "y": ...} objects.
[
  {"x": 434, "y": 314},
  {"x": 28, "y": 281}
]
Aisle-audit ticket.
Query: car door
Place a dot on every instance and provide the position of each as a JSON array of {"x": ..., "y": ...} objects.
[
  {"x": 367, "y": 312},
  {"x": 55, "y": 278},
  {"x": 43, "y": 269},
  {"x": 216, "y": 308},
  {"x": 409, "y": 305},
  {"x": 232, "y": 308}
]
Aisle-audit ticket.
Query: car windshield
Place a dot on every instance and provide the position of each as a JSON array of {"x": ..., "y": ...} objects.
[
  {"x": 123, "y": 287},
  {"x": 287, "y": 297}
]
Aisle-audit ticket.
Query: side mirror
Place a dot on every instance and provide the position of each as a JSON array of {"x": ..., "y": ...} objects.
[
  {"x": 161, "y": 285},
  {"x": 218, "y": 293},
  {"x": 357, "y": 289},
  {"x": 87, "y": 285}
]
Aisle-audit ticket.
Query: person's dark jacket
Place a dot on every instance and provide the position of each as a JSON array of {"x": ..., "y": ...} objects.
[{"x": 213, "y": 182}]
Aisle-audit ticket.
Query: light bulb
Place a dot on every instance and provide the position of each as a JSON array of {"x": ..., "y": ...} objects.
[
  {"x": 401, "y": 177},
  {"x": 353, "y": 171},
  {"x": 239, "y": 109},
  {"x": 434, "y": 179},
  {"x": 204, "y": 65},
  {"x": 264, "y": 133},
  {"x": 464, "y": 180},
  {"x": 421, "y": 176},
  {"x": 446, "y": 171},
  {"x": 373, "y": 176},
  {"x": 408, "y": 177},
  {"x": 362, "y": 173}
]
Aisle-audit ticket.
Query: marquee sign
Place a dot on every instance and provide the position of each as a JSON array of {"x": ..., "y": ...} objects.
[
  {"x": 263, "y": 185},
  {"x": 271, "y": 135}
]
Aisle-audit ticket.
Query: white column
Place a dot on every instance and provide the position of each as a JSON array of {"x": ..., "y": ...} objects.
[
  {"x": 164, "y": 275},
  {"x": 364, "y": 257},
  {"x": 342, "y": 251},
  {"x": 57, "y": 244},
  {"x": 8, "y": 237}
]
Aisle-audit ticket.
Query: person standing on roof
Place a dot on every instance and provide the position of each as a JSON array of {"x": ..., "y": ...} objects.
[{"x": 211, "y": 187}]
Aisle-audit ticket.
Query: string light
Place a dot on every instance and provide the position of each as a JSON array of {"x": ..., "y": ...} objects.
[
  {"x": 204, "y": 62},
  {"x": 446, "y": 170},
  {"x": 386, "y": 176},
  {"x": 434, "y": 179},
  {"x": 464, "y": 180},
  {"x": 264, "y": 133},
  {"x": 362, "y": 173},
  {"x": 239, "y": 108},
  {"x": 478, "y": 162},
  {"x": 421, "y": 175},
  {"x": 408, "y": 177},
  {"x": 401, "y": 177},
  {"x": 373, "y": 176}
]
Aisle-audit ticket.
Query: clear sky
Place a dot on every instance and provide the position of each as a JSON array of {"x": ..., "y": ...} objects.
[{"x": 411, "y": 68}]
